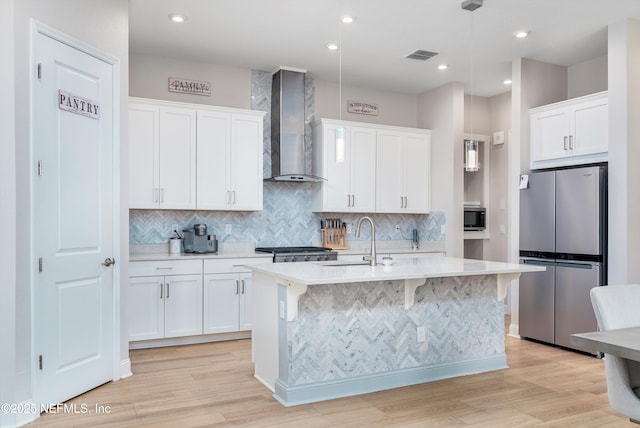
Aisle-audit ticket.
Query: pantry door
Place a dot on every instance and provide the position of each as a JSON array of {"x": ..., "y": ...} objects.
[{"x": 74, "y": 128}]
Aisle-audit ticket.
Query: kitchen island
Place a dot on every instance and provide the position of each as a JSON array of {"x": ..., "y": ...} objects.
[{"x": 326, "y": 330}]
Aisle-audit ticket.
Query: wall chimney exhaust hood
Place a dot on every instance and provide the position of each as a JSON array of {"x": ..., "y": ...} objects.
[{"x": 287, "y": 127}]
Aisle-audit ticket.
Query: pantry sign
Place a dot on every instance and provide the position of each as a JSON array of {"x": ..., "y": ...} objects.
[{"x": 78, "y": 105}]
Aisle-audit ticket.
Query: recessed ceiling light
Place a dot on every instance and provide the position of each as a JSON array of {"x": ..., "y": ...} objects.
[
  {"x": 507, "y": 81},
  {"x": 176, "y": 17},
  {"x": 443, "y": 67},
  {"x": 332, "y": 46},
  {"x": 347, "y": 19},
  {"x": 521, "y": 34}
]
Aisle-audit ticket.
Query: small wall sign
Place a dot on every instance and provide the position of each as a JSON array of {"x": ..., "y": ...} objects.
[
  {"x": 188, "y": 86},
  {"x": 78, "y": 105},
  {"x": 360, "y": 107}
]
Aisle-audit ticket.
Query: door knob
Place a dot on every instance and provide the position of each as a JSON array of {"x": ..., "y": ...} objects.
[{"x": 108, "y": 262}]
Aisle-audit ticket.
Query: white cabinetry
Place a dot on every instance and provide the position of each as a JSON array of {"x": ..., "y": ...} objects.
[
  {"x": 165, "y": 299},
  {"x": 349, "y": 167},
  {"x": 162, "y": 153},
  {"x": 570, "y": 132},
  {"x": 229, "y": 163},
  {"x": 189, "y": 156},
  {"x": 379, "y": 168},
  {"x": 227, "y": 295},
  {"x": 402, "y": 171}
]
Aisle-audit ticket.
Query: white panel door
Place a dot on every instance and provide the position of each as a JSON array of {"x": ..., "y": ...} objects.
[
  {"x": 213, "y": 145},
  {"x": 363, "y": 169},
  {"x": 590, "y": 127},
  {"x": 182, "y": 305},
  {"x": 221, "y": 311},
  {"x": 337, "y": 169},
  {"x": 73, "y": 220},
  {"x": 144, "y": 156},
  {"x": 550, "y": 134},
  {"x": 246, "y": 287},
  {"x": 417, "y": 166},
  {"x": 146, "y": 308},
  {"x": 389, "y": 173},
  {"x": 246, "y": 162},
  {"x": 177, "y": 158}
]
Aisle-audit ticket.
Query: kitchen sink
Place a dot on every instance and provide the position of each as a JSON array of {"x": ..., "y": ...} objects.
[{"x": 346, "y": 263}]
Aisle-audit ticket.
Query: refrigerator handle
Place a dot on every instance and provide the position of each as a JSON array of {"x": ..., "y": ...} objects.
[
  {"x": 576, "y": 265},
  {"x": 538, "y": 262}
]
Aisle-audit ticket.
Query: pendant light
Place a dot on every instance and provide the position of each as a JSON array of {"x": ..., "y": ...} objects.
[
  {"x": 471, "y": 147},
  {"x": 340, "y": 143}
]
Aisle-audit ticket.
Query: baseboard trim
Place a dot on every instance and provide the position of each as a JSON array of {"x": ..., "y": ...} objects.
[
  {"x": 189, "y": 340},
  {"x": 514, "y": 330},
  {"x": 311, "y": 393},
  {"x": 125, "y": 368},
  {"x": 25, "y": 417}
]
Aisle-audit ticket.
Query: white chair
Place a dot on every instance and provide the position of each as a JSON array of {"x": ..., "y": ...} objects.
[{"x": 618, "y": 306}]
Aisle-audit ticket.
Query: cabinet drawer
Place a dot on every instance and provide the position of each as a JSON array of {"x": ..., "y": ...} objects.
[
  {"x": 233, "y": 265},
  {"x": 165, "y": 267}
]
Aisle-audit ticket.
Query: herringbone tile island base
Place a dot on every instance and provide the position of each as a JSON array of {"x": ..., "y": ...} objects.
[{"x": 213, "y": 385}]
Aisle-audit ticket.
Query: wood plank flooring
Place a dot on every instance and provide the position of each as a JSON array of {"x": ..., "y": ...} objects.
[{"x": 213, "y": 385}]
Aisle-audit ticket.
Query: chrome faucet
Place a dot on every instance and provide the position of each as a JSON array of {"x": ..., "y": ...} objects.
[{"x": 371, "y": 257}]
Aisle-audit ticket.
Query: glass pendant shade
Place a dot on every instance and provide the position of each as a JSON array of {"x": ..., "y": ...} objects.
[{"x": 471, "y": 159}]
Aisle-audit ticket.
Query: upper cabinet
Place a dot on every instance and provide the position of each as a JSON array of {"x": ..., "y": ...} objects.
[
  {"x": 186, "y": 156},
  {"x": 570, "y": 132},
  {"x": 402, "y": 171},
  {"x": 373, "y": 168},
  {"x": 162, "y": 153},
  {"x": 229, "y": 164},
  {"x": 348, "y": 165}
]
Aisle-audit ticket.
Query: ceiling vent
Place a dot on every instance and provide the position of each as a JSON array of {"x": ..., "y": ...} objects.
[
  {"x": 471, "y": 5},
  {"x": 421, "y": 55}
]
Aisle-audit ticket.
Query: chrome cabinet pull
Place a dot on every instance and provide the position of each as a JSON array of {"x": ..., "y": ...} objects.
[
  {"x": 161, "y": 290},
  {"x": 168, "y": 290},
  {"x": 353, "y": 200},
  {"x": 348, "y": 200},
  {"x": 242, "y": 286},
  {"x": 234, "y": 197},
  {"x": 571, "y": 142},
  {"x": 155, "y": 194},
  {"x": 162, "y": 195},
  {"x": 237, "y": 287},
  {"x": 565, "y": 143}
]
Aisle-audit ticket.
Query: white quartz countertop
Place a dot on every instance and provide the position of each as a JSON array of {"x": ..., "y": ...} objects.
[
  {"x": 196, "y": 256},
  {"x": 409, "y": 268}
]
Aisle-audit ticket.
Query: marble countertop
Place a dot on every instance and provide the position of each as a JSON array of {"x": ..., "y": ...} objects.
[{"x": 402, "y": 269}]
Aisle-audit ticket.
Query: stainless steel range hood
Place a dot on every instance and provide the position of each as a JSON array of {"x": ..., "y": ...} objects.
[{"x": 287, "y": 127}]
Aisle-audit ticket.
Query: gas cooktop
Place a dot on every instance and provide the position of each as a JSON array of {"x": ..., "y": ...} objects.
[{"x": 299, "y": 254}]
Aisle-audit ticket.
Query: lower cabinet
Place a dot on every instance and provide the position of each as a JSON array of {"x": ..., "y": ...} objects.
[
  {"x": 227, "y": 302},
  {"x": 227, "y": 295},
  {"x": 165, "y": 306}
]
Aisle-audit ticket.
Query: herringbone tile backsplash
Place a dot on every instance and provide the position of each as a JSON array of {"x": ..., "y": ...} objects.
[{"x": 286, "y": 219}]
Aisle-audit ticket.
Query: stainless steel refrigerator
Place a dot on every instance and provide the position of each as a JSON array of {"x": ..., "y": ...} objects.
[{"x": 563, "y": 226}]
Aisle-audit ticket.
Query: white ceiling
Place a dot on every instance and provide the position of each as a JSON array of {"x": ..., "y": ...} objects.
[{"x": 478, "y": 46}]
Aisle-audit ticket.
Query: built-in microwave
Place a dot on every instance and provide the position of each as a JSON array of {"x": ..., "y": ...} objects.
[{"x": 475, "y": 218}]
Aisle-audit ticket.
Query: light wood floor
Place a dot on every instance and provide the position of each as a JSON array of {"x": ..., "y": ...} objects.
[{"x": 213, "y": 385}]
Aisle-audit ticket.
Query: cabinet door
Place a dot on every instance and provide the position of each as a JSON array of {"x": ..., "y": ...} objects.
[
  {"x": 177, "y": 158},
  {"x": 590, "y": 130},
  {"x": 337, "y": 167},
  {"x": 246, "y": 162},
  {"x": 363, "y": 172},
  {"x": 246, "y": 284},
  {"x": 143, "y": 156},
  {"x": 549, "y": 134},
  {"x": 213, "y": 143},
  {"x": 146, "y": 308},
  {"x": 389, "y": 173},
  {"x": 221, "y": 310},
  {"x": 183, "y": 305},
  {"x": 417, "y": 167}
]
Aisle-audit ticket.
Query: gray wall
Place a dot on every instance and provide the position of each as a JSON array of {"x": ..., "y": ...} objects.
[
  {"x": 587, "y": 77},
  {"x": 103, "y": 24}
]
